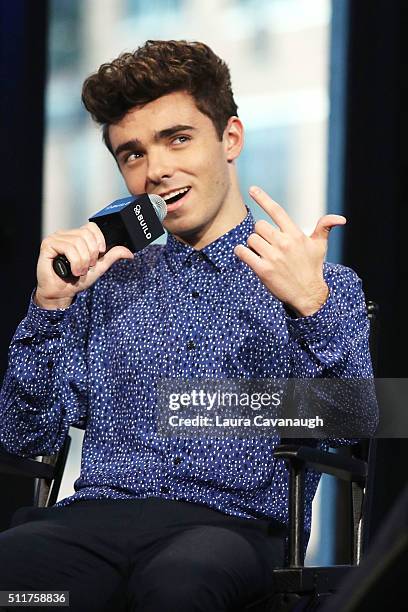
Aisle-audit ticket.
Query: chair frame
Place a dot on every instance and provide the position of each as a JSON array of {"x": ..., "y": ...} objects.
[{"x": 312, "y": 585}]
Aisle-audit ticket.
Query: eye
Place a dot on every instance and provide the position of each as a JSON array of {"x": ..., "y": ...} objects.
[
  {"x": 181, "y": 139},
  {"x": 132, "y": 156}
]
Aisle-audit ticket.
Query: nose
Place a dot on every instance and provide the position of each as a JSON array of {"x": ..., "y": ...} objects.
[{"x": 159, "y": 167}]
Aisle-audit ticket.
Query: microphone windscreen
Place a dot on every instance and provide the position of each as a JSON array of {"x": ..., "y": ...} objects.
[{"x": 159, "y": 205}]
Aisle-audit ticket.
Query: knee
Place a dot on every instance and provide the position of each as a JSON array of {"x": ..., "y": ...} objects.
[{"x": 177, "y": 588}]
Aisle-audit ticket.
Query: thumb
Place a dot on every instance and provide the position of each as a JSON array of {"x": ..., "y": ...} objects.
[
  {"x": 113, "y": 255},
  {"x": 325, "y": 224}
]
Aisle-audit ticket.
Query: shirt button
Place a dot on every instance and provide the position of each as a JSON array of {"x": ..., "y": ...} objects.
[
  {"x": 191, "y": 345},
  {"x": 177, "y": 460},
  {"x": 195, "y": 294},
  {"x": 50, "y": 364},
  {"x": 164, "y": 489},
  {"x": 189, "y": 263}
]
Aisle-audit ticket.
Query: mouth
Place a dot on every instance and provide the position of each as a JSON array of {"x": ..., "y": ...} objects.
[{"x": 175, "y": 198}]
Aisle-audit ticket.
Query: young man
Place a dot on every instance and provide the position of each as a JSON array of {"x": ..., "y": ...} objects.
[{"x": 160, "y": 523}]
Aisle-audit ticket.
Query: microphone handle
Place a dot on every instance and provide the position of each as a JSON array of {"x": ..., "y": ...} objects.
[{"x": 62, "y": 268}]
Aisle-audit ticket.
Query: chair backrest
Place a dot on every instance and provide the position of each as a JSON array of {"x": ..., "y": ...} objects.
[
  {"x": 365, "y": 450},
  {"x": 46, "y": 489},
  {"x": 362, "y": 499},
  {"x": 360, "y": 493},
  {"x": 354, "y": 465}
]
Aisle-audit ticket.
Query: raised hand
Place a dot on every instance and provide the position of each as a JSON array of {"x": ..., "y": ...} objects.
[
  {"x": 84, "y": 247},
  {"x": 289, "y": 263}
]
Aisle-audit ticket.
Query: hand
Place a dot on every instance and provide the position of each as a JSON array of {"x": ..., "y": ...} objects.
[
  {"x": 84, "y": 248},
  {"x": 289, "y": 263}
]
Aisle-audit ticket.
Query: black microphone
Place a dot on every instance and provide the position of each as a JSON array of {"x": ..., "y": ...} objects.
[{"x": 133, "y": 222}]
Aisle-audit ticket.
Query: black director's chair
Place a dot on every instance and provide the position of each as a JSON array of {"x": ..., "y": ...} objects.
[
  {"x": 303, "y": 589},
  {"x": 297, "y": 588},
  {"x": 46, "y": 471},
  {"x": 300, "y": 588}
]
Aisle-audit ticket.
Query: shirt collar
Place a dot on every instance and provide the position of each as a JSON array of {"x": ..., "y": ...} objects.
[{"x": 219, "y": 253}]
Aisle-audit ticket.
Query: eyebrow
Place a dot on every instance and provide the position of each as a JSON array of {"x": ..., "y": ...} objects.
[{"x": 135, "y": 143}]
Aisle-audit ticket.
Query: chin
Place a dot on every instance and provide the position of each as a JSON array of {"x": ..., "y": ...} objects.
[{"x": 183, "y": 226}]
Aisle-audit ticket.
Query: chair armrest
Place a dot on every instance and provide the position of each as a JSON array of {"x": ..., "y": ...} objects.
[
  {"x": 299, "y": 457},
  {"x": 23, "y": 466},
  {"x": 345, "y": 468},
  {"x": 48, "y": 472}
]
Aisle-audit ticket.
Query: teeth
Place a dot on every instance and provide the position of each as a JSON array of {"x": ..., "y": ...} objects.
[{"x": 174, "y": 193}]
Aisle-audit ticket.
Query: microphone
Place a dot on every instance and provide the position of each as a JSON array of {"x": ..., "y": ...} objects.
[{"x": 133, "y": 222}]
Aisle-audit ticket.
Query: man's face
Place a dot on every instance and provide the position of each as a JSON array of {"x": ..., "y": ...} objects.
[{"x": 169, "y": 146}]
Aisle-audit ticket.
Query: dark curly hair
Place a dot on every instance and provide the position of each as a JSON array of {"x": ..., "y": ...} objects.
[{"x": 157, "y": 68}]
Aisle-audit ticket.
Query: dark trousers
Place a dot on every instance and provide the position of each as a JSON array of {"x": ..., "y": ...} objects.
[{"x": 150, "y": 555}]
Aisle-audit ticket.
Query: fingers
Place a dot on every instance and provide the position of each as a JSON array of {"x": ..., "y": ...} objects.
[
  {"x": 267, "y": 231},
  {"x": 113, "y": 255},
  {"x": 325, "y": 224},
  {"x": 259, "y": 245},
  {"x": 263, "y": 250},
  {"x": 96, "y": 231},
  {"x": 250, "y": 258},
  {"x": 82, "y": 247},
  {"x": 74, "y": 248},
  {"x": 274, "y": 210},
  {"x": 85, "y": 248},
  {"x": 285, "y": 223}
]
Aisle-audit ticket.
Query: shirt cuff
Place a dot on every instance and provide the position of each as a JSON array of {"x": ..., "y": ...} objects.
[
  {"x": 47, "y": 322},
  {"x": 319, "y": 326}
]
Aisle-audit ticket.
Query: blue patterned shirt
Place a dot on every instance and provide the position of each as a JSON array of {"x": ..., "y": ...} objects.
[{"x": 173, "y": 312}]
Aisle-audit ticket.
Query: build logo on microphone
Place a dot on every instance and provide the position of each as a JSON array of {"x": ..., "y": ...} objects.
[{"x": 142, "y": 221}]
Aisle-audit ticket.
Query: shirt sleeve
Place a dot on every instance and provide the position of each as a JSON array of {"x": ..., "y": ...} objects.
[
  {"x": 44, "y": 390},
  {"x": 333, "y": 343}
]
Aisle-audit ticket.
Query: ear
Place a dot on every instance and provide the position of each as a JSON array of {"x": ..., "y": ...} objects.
[{"x": 233, "y": 138}]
